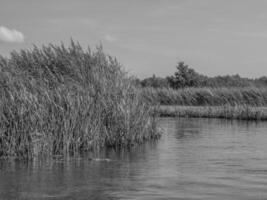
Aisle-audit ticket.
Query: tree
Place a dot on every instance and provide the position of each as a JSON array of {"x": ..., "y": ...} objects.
[
  {"x": 184, "y": 77},
  {"x": 155, "y": 82}
]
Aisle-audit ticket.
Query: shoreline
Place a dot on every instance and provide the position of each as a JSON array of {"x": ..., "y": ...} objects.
[{"x": 240, "y": 112}]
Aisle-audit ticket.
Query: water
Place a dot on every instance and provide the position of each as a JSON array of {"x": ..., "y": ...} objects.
[{"x": 194, "y": 159}]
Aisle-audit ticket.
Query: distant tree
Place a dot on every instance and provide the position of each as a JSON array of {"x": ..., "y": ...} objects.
[
  {"x": 155, "y": 82},
  {"x": 171, "y": 81},
  {"x": 188, "y": 77},
  {"x": 229, "y": 81},
  {"x": 184, "y": 77},
  {"x": 262, "y": 81},
  {"x": 136, "y": 82}
]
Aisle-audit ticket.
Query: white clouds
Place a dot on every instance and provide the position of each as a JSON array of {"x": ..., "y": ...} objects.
[
  {"x": 10, "y": 35},
  {"x": 110, "y": 38}
]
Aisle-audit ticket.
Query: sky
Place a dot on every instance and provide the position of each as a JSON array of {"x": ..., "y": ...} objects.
[{"x": 215, "y": 37}]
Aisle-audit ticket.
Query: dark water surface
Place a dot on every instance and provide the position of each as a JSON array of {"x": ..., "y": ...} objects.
[{"x": 194, "y": 159}]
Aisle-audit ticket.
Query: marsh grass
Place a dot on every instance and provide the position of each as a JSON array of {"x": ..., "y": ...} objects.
[
  {"x": 59, "y": 100},
  {"x": 230, "y": 103},
  {"x": 241, "y": 112},
  {"x": 250, "y": 96}
]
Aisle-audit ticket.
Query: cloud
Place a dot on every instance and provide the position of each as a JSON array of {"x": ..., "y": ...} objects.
[
  {"x": 10, "y": 35},
  {"x": 110, "y": 38}
]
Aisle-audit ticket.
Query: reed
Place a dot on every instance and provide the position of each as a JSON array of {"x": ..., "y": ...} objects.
[
  {"x": 59, "y": 100},
  {"x": 241, "y": 112},
  {"x": 251, "y": 96}
]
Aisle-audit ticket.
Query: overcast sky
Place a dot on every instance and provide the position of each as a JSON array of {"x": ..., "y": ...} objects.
[{"x": 215, "y": 37}]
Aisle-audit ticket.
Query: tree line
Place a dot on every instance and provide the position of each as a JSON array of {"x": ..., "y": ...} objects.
[{"x": 185, "y": 76}]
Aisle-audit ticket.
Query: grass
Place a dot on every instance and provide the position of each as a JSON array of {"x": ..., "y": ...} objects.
[
  {"x": 240, "y": 112},
  {"x": 250, "y": 96},
  {"x": 59, "y": 100},
  {"x": 230, "y": 103}
]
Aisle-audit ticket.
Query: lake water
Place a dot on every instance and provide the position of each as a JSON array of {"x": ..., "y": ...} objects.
[{"x": 194, "y": 159}]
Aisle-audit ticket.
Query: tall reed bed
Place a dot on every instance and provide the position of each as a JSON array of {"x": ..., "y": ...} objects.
[
  {"x": 61, "y": 100},
  {"x": 207, "y": 96}
]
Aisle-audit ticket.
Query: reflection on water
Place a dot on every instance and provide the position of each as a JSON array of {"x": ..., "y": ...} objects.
[{"x": 194, "y": 159}]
